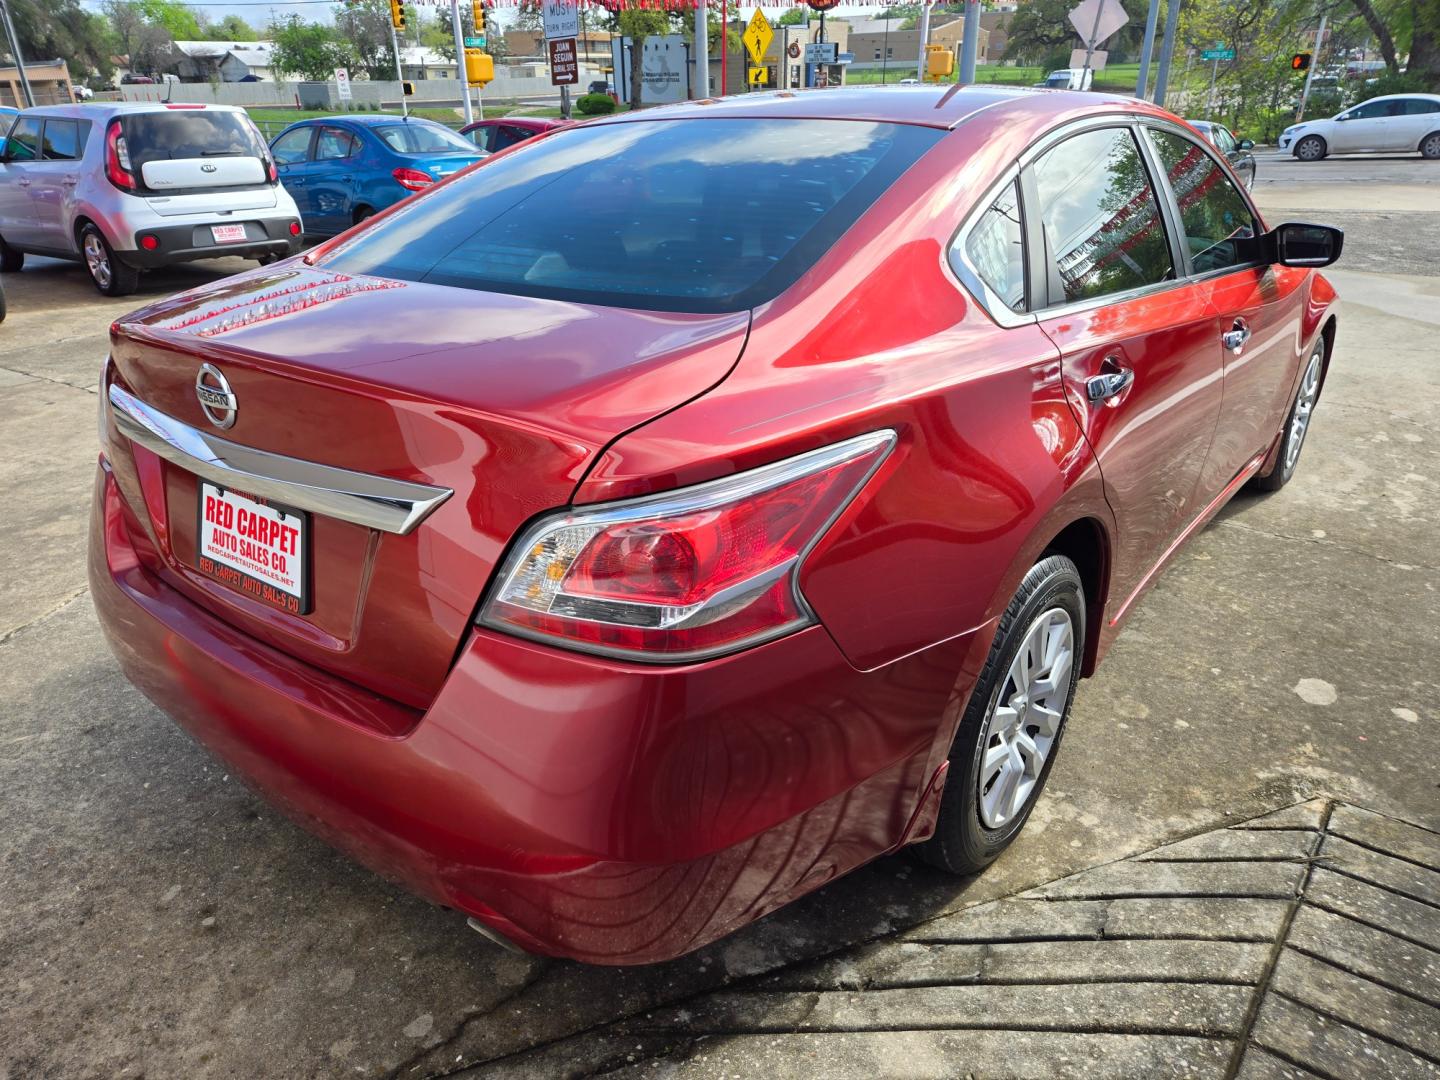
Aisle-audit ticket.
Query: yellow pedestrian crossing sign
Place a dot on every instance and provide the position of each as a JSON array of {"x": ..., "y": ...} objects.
[
  {"x": 759, "y": 76},
  {"x": 758, "y": 36}
]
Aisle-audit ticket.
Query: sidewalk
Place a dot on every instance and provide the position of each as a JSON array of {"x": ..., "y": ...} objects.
[{"x": 1305, "y": 943}]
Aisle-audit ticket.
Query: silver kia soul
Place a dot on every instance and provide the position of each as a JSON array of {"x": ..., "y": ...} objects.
[{"x": 129, "y": 187}]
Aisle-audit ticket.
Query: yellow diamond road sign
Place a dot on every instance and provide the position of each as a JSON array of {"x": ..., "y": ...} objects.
[{"x": 758, "y": 36}]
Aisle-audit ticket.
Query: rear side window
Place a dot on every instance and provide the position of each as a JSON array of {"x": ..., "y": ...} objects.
[
  {"x": 688, "y": 215},
  {"x": 1418, "y": 106},
  {"x": 483, "y": 137},
  {"x": 1219, "y": 229},
  {"x": 184, "y": 134},
  {"x": 995, "y": 248},
  {"x": 24, "y": 141},
  {"x": 62, "y": 140},
  {"x": 334, "y": 144},
  {"x": 423, "y": 138},
  {"x": 1100, "y": 217}
]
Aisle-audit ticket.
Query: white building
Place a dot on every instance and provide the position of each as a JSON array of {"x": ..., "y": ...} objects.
[{"x": 230, "y": 61}]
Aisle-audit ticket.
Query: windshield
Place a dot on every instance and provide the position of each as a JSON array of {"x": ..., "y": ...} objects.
[
  {"x": 672, "y": 215},
  {"x": 178, "y": 134},
  {"x": 423, "y": 137},
  {"x": 1059, "y": 81}
]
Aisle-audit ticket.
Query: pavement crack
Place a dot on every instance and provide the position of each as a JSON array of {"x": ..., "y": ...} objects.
[
  {"x": 1231, "y": 523},
  {"x": 10, "y": 635},
  {"x": 46, "y": 378}
]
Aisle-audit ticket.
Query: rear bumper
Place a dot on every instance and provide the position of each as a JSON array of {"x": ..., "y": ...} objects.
[
  {"x": 610, "y": 813},
  {"x": 186, "y": 243}
]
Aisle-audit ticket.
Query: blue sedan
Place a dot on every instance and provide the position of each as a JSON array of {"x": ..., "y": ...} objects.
[{"x": 340, "y": 170}]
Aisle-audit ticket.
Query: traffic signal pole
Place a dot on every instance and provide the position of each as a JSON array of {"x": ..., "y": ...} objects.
[
  {"x": 1167, "y": 51},
  {"x": 1310, "y": 71},
  {"x": 970, "y": 43},
  {"x": 1142, "y": 82},
  {"x": 924, "y": 38},
  {"x": 460, "y": 76}
]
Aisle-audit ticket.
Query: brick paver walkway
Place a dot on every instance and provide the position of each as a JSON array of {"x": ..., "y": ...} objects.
[{"x": 1305, "y": 943}]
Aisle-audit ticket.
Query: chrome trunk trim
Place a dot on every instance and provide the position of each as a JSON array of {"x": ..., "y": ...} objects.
[{"x": 377, "y": 502}]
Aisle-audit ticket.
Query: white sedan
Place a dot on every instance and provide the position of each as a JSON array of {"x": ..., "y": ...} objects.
[{"x": 1399, "y": 122}]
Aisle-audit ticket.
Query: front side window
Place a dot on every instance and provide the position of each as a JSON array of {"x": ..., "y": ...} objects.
[
  {"x": 1218, "y": 226},
  {"x": 1223, "y": 139},
  {"x": 62, "y": 140},
  {"x": 1100, "y": 217},
  {"x": 24, "y": 141},
  {"x": 996, "y": 249},
  {"x": 291, "y": 147},
  {"x": 668, "y": 215}
]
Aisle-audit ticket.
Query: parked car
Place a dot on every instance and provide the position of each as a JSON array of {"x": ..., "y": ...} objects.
[
  {"x": 341, "y": 170},
  {"x": 495, "y": 135},
  {"x": 131, "y": 187},
  {"x": 1070, "y": 79},
  {"x": 1239, "y": 152},
  {"x": 1396, "y": 122},
  {"x": 631, "y": 535}
]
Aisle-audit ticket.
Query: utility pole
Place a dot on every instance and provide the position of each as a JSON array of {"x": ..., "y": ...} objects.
[
  {"x": 1310, "y": 71},
  {"x": 1167, "y": 51},
  {"x": 702, "y": 51},
  {"x": 924, "y": 39},
  {"x": 19, "y": 59},
  {"x": 885, "y": 60},
  {"x": 1143, "y": 80},
  {"x": 970, "y": 43},
  {"x": 460, "y": 75}
]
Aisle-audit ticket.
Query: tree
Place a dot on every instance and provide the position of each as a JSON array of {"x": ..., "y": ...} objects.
[
  {"x": 1042, "y": 27},
  {"x": 637, "y": 25},
  {"x": 230, "y": 28},
  {"x": 177, "y": 19},
  {"x": 794, "y": 17},
  {"x": 1402, "y": 26},
  {"x": 364, "y": 27},
  {"x": 146, "y": 45},
  {"x": 306, "y": 49},
  {"x": 61, "y": 28}
]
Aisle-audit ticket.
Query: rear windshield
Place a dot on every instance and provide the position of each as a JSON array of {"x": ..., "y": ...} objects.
[
  {"x": 670, "y": 215},
  {"x": 420, "y": 137},
  {"x": 183, "y": 134}
]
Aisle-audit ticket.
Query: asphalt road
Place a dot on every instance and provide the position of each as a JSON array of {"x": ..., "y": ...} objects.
[{"x": 158, "y": 919}]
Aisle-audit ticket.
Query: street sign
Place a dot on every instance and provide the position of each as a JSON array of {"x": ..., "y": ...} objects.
[
  {"x": 1217, "y": 54},
  {"x": 759, "y": 76},
  {"x": 821, "y": 52},
  {"x": 1096, "y": 20},
  {"x": 476, "y": 42},
  {"x": 1097, "y": 59},
  {"x": 562, "y": 19},
  {"x": 564, "y": 62},
  {"x": 758, "y": 36},
  {"x": 342, "y": 84}
]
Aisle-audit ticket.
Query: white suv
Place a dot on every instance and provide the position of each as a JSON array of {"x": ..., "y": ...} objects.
[
  {"x": 129, "y": 187},
  {"x": 1407, "y": 122}
]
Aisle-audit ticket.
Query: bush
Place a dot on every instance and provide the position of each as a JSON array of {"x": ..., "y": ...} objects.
[{"x": 596, "y": 104}]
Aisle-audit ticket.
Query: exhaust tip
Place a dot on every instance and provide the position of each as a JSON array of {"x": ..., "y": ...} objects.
[{"x": 495, "y": 936}]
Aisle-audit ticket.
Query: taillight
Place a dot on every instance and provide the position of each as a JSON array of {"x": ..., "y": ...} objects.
[
  {"x": 271, "y": 171},
  {"x": 688, "y": 574},
  {"x": 117, "y": 158},
  {"x": 412, "y": 179}
]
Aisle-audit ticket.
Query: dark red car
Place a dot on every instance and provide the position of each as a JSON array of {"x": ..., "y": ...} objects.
[
  {"x": 505, "y": 132},
  {"x": 643, "y": 528}
]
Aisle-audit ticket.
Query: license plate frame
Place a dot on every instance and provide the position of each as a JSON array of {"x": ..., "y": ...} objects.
[
  {"x": 228, "y": 234},
  {"x": 228, "y": 547}
]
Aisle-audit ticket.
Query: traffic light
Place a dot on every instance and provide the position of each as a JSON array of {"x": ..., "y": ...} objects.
[
  {"x": 397, "y": 15},
  {"x": 477, "y": 11},
  {"x": 939, "y": 62},
  {"x": 479, "y": 67},
  {"x": 1300, "y": 61}
]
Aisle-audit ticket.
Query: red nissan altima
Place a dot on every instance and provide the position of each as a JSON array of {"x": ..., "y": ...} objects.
[{"x": 641, "y": 529}]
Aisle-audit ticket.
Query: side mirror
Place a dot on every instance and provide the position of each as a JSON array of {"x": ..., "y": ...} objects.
[
  {"x": 1246, "y": 144},
  {"x": 1297, "y": 244}
]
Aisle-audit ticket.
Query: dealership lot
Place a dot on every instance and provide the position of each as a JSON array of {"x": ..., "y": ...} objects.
[{"x": 160, "y": 919}]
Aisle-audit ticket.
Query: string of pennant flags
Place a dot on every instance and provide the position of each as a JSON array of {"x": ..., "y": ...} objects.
[{"x": 650, "y": 5}]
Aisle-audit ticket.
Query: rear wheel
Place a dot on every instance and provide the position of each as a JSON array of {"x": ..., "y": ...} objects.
[
  {"x": 111, "y": 276},
  {"x": 1430, "y": 146},
  {"x": 10, "y": 260},
  {"x": 1310, "y": 148},
  {"x": 1010, "y": 733},
  {"x": 1297, "y": 424},
  {"x": 363, "y": 212}
]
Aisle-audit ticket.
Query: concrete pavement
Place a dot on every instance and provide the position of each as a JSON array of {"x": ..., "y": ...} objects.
[{"x": 158, "y": 919}]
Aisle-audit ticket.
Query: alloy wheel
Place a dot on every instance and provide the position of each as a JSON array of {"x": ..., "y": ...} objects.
[
  {"x": 1430, "y": 148},
  {"x": 97, "y": 259},
  {"x": 1304, "y": 407},
  {"x": 1025, "y": 718}
]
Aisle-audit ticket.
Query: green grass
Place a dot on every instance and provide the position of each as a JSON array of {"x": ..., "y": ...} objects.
[
  {"x": 272, "y": 120},
  {"x": 1117, "y": 77}
]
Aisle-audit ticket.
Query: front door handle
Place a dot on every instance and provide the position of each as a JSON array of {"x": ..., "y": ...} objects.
[
  {"x": 70, "y": 181},
  {"x": 24, "y": 181},
  {"x": 1235, "y": 338},
  {"x": 1112, "y": 381}
]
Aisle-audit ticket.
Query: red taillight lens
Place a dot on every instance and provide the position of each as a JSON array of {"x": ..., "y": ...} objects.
[
  {"x": 272, "y": 171},
  {"x": 412, "y": 179},
  {"x": 684, "y": 575},
  {"x": 149, "y": 243},
  {"x": 294, "y": 228},
  {"x": 117, "y": 158}
]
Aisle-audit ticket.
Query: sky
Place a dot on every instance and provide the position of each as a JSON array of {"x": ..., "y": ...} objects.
[{"x": 258, "y": 13}]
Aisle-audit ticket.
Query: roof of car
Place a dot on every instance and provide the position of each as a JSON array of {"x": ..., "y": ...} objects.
[
  {"x": 529, "y": 123},
  {"x": 942, "y": 106},
  {"x": 367, "y": 119},
  {"x": 95, "y": 110}
]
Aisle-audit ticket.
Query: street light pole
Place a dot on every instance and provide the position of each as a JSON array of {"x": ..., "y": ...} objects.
[
  {"x": 1143, "y": 80},
  {"x": 1167, "y": 51},
  {"x": 702, "y": 51},
  {"x": 970, "y": 44},
  {"x": 19, "y": 59}
]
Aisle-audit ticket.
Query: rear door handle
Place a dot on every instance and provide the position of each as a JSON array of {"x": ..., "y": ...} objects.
[
  {"x": 24, "y": 181},
  {"x": 1235, "y": 338},
  {"x": 1112, "y": 381},
  {"x": 70, "y": 181}
]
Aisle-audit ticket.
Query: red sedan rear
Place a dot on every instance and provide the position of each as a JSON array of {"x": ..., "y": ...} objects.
[{"x": 641, "y": 529}]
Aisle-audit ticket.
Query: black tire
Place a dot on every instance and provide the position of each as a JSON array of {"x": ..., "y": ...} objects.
[
  {"x": 963, "y": 843},
  {"x": 111, "y": 276},
  {"x": 363, "y": 212},
  {"x": 2, "y": 305},
  {"x": 1430, "y": 146},
  {"x": 1311, "y": 148},
  {"x": 1305, "y": 397},
  {"x": 11, "y": 261}
]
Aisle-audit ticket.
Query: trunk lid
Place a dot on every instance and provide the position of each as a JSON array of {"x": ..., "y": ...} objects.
[
  {"x": 181, "y": 174},
  {"x": 504, "y": 400},
  {"x": 213, "y": 202}
]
